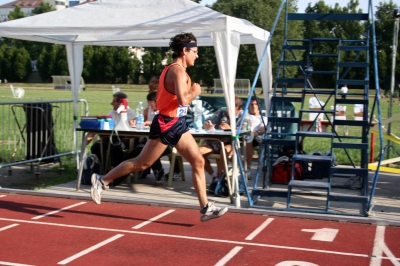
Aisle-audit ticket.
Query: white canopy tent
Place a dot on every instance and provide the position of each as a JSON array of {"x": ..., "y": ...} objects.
[{"x": 145, "y": 23}]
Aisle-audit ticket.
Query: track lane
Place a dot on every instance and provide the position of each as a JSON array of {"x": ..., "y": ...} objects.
[{"x": 178, "y": 236}]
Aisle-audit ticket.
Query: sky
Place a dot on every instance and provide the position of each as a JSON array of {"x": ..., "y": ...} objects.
[
  {"x": 302, "y": 4},
  {"x": 2, "y": 2}
]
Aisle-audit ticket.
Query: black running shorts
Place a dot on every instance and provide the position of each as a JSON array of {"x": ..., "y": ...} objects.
[{"x": 168, "y": 129}]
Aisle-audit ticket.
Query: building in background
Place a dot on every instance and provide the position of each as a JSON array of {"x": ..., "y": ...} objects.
[{"x": 28, "y": 5}]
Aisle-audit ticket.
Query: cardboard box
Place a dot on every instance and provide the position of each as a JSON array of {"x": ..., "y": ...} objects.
[
  {"x": 358, "y": 116},
  {"x": 340, "y": 113}
]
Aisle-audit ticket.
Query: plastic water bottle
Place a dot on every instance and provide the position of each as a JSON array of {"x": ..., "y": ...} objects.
[
  {"x": 198, "y": 115},
  {"x": 246, "y": 123},
  {"x": 139, "y": 116}
]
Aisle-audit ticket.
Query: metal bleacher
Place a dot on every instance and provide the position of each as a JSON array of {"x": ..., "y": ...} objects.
[{"x": 348, "y": 184}]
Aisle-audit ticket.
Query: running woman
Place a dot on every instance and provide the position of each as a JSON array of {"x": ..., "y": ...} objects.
[{"x": 169, "y": 127}]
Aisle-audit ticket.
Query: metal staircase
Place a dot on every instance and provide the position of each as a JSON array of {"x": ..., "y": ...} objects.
[{"x": 285, "y": 129}]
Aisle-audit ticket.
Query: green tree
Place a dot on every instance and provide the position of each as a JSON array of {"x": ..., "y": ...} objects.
[
  {"x": 384, "y": 26},
  {"x": 43, "y": 63},
  {"x": 88, "y": 54},
  {"x": 32, "y": 48},
  {"x": 152, "y": 62},
  {"x": 16, "y": 13},
  {"x": 259, "y": 13},
  {"x": 17, "y": 64},
  {"x": 123, "y": 64},
  {"x": 43, "y": 8},
  {"x": 135, "y": 66},
  {"x": 103, "y": 65},
  {"x": 60, "y": 61},
  {"x": 3, "y": 49},
  {"x": 345, "y": 30},
  {"x": 53, "y": 61}
]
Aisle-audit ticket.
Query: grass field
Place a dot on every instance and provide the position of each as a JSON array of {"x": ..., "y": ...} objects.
[{"x": 99, "y": 97}]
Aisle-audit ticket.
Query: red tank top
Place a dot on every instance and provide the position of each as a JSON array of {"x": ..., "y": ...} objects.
[{"x": 167, "y": 102}]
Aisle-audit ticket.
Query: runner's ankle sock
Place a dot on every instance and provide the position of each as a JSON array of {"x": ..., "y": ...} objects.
[{"x": 204, "y": 210}]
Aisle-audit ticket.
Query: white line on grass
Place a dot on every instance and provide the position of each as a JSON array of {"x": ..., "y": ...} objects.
[
  {"x": 152, "y": 219},
  {"x": 228, "y": 256},
  {"x": 259, "y": 229},
  {"x": 59, "y": 210},
  {"x": 86, "y": 251},
  {"x": 8, "y": 227}
]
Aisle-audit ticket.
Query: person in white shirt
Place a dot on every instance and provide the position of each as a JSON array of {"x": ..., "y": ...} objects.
[
  {"x": 258, "y": 128},
  {"x": 344, "y": 90},
  {"x": 219, "y": 120},
  {"x": 116, "y": 150}
]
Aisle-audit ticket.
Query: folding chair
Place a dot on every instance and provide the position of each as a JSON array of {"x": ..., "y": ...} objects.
[{"x": 18, "y": 92}]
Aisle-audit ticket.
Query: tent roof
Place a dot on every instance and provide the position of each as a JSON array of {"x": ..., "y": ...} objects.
[{"x": 126, "y": 22}]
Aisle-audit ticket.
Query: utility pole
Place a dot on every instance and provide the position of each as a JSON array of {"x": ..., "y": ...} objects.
[{"x": 396, "y": 15}]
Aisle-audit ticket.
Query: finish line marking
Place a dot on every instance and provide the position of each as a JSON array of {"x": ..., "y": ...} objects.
[
  {"x": 152, "y": 219},
  {"x": 238, "y": 243},
  {"x": 86, "y": 251},
  {"x": 2, "y": 196},
  {"x": 59, "y": 210}
]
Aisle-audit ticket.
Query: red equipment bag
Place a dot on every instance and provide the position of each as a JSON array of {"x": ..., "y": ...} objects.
[{"x": 281, "y": 172}]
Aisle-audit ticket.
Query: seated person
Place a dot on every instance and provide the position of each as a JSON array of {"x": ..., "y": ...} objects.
[
  {"x": 117, "y": 147},
  {"x": 257, "y": 126},
  {"x": 157, "y": 168},
  {"x": 219, "y": 120},
  {"x": 153, "y": 84}
]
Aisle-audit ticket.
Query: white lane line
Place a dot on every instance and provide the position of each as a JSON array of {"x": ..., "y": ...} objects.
[
  {"x": 237, "y": 243},
  {"x": 59, "y": 210},
  {"x": 2, "y": 196},
  {"x": 380, "y": 247},
  {"x": 228, "y": 256},
  {"x": 86, "y": 251},
  {"x": 8, "y": 227},
  {"x": 152, "y": 219},
  {"x": 259, "y": 229},
  {"x": 13, "y": 264}
]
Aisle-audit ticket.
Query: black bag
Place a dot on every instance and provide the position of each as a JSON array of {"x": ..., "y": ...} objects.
[
  {"x": 91, "y": 166},
  {"x": 321, "y": 170}
]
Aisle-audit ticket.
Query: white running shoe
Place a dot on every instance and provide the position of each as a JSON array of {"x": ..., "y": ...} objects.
[
  {"x": 97, "y": 188},
  {"x": 212, "y": 212}
]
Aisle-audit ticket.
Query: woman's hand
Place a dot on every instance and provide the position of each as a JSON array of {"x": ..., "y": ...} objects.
[
  {"x": 224, "y": 126},
  {"x": 208, "y": 125}
]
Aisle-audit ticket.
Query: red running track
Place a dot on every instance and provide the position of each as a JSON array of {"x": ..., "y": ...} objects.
[{"x": 54, "y": 231}]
